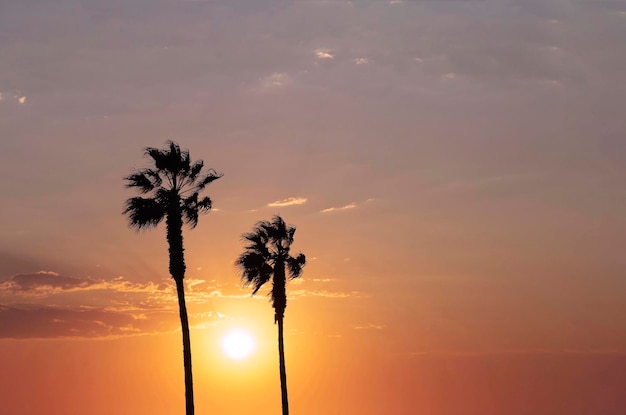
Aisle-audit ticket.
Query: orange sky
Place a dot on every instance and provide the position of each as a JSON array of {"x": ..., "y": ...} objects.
[{"x": 455, "y": 171}]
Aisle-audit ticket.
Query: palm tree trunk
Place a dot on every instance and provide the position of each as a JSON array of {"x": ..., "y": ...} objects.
[
  {"x": 184, "y": 322},
  {"x": 281, "y": 363},
  {"x": 174, "y": 222}
]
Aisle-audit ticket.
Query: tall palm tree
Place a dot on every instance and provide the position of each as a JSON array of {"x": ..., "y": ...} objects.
[
  {"x": 172, "y": 186},
  {"x": 266, "y": 257}
]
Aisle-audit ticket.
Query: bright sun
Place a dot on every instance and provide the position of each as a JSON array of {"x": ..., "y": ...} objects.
[{"x": 237, "y": 344}]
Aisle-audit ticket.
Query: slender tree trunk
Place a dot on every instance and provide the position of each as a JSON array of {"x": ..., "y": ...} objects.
[
  {"x": 281, "y": 362},
  {"x": 174, "y": 224},
  {"x": 279, "y": 296},
  {"x": 180, "y": 289}
]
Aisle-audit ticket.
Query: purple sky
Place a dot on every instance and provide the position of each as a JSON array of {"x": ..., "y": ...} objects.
[{"x": 463, "y": 161}]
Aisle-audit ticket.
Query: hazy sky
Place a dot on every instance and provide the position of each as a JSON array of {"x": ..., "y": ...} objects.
[{"x": 455, "y": 169}]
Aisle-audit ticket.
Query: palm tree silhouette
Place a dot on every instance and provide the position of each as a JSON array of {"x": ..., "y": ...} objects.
[
  {"x": 172, "y": 185},
  {"x": 267, "y": 256}
]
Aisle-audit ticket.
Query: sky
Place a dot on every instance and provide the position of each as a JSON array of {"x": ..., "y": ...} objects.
[{"x": 455, "y": 171}]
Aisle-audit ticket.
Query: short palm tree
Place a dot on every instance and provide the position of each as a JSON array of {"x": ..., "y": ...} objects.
[
  {"x": 266, "y": 257},
  {"x": 172, "y": 186}
]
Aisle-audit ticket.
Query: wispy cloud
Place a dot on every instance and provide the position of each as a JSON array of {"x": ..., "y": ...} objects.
[
  {"x": 30, "y": 321},
  {"x": 45, "y": 283},
  {"x": 334, "y": 209},
  {"x": 13, "y": 97},
  {"x": 276, "y": 80},
  {"x": 324, "y": 54},
  {"x": 290, "y": 201},
  {"x": 361, "y": 61},
  {"x": 369, "y": 327},
  {"x": 54, "y": 322},
  {"x": 324, "y": 293}
]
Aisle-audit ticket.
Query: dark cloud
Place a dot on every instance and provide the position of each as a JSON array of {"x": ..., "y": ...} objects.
[
  {"x": 31, "y": 321},
  {"x": 44, "y": 281},
  {"x": 49, "y": 322}
]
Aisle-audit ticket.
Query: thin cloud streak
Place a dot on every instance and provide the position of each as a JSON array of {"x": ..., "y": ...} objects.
[
  {"x": 335, "y": 209},
  {"x": 324, "y": 293},
  {"x": 290, "y": 201},
  {"x": 369, "y": 327}
]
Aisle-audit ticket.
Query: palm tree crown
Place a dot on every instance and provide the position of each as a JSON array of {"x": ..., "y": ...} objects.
[
  {"x": 266, "y": 257},
  {"x": 173, "y": 183}
]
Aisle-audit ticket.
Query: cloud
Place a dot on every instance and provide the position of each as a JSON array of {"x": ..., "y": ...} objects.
[
  {"x": 45, "y": 283},
  {"x": 324, "y": 54},
  {"x": 53, "y": 322},
  {"x": 28, "y": 321},
  {"x": 324, "y": 293},
  {"x": 42, "y": 282},
  {"x": 334, "y": 209},
  {"x": 349, "y": 206},
  {"x": 361, "y": 61},
  {"x": 20, "y": 99},
  {"x": 290, "y": 201},
  {"x": 369, "y": 327},
  {"x": 276, "y": 80}
]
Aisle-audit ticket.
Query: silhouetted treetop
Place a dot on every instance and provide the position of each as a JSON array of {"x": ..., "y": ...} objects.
[{"x": 172, "y": 182}]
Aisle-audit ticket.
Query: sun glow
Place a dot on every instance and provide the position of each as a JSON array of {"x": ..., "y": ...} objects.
[{"x": 237, "y": 344}]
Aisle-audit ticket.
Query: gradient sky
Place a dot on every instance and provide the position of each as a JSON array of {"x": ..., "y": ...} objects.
[{"x": 456, "y": 171}]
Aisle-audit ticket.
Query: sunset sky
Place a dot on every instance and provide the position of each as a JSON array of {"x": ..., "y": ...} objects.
[{"x": 456, "y": 172}]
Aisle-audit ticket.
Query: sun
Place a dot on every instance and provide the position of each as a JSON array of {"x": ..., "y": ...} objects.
[{"x": 237, "y": 344}]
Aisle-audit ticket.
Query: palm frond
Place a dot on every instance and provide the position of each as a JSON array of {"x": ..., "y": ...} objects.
[
  {"x": 257, "y": 242},
  {"x": 295, "y": 265},
  {"x": 254, "y": 269},
  {"x": 141, "y": 181},
  {"x": 144, "y": 212},
  {"x": 174, "y": 157},
  {"x": 164, "y": 196},
  {"x": 195, "y": 170},
  {"x": 281, "y": 234},
  {"x": 159, "y": 157},
  {"x": 209, "y": 177},
  {"x": 276, "y": 228},
  {"x": 190, "y": 210},
  {"x": 192, "y": 207},
  {"x": 154, "y": 176},
  {"x": 205, "y": 204},
  {"x": 170, "y": 160}
]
